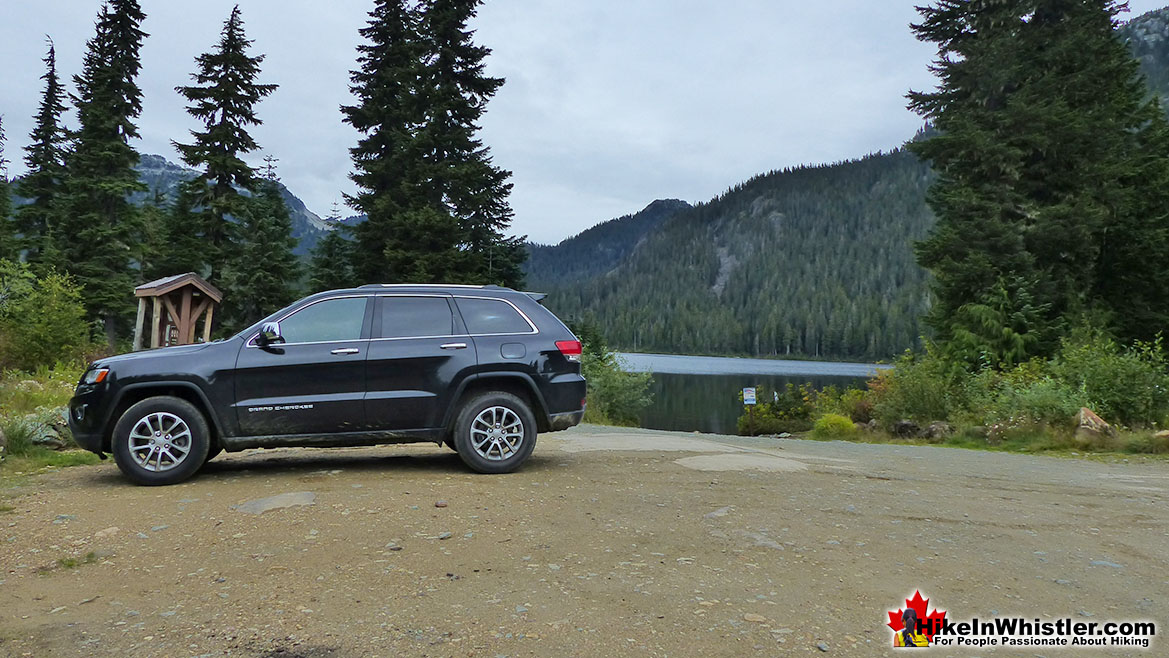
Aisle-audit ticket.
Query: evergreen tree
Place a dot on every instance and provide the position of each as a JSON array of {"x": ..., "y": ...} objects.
[
  {"x": 9, "y": 248},
  {"x": 45, "y": 159},
  {"x": 467, "y": 183},
  {"x": 1051, "y": 165},
  {"x": 436, "y": 204},
  {"x": 223, "y": 98},
  {"x": 98, "y": 226},
  {"x": 331, "y": 263},
  {"x": 263, "y": 276}
]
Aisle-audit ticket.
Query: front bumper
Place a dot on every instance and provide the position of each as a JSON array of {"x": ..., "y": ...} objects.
[{"x": 86, "y": 421}]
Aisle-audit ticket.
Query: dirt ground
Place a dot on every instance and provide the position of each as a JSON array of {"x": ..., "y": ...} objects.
[{"x": 607, "y": 543}]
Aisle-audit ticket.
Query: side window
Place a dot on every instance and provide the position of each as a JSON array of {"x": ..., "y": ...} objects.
[
  {"x": 491, "y": 316},
  {"x": 327, "y": 321},
  {"x": 407, "y": 317}
]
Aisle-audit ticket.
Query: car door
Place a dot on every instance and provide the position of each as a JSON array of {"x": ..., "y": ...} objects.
[
  {"x": 314, "y": 381},
  {"x": 418, "y": 355}
]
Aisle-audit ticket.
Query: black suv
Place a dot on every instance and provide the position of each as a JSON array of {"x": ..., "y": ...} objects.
[{"x": 480, "y": 368}]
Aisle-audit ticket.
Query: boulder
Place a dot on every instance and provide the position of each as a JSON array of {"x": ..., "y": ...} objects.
[
  {"x": 938, "y": 430},
  {"x": 873, "y": 425},
  {"x": 1163, "y": 434},
  {"x": 1090, "y": 423},
  {"x": 906, "y": 429},
  {"x": 1091, "y": 429},
  {"x": 49, "y": 428}
]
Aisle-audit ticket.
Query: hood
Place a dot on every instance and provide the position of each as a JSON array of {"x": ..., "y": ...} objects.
[{"x": 159, "y": 353}]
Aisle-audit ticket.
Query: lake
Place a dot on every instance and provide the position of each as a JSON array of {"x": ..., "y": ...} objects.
[{"x": 701, "y": 393}]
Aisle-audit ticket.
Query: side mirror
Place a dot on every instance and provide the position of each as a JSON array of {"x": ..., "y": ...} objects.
[{"x": 269, "y": 335}]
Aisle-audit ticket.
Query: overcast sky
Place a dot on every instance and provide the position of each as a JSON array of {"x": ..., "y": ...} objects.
[{"x": 608, "y": 105}]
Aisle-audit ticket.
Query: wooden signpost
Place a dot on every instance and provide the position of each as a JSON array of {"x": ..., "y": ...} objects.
[{"x": 179, "y": 302}]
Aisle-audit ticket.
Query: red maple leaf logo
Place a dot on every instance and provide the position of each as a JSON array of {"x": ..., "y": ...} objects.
[{"x": 930, "y": 623}]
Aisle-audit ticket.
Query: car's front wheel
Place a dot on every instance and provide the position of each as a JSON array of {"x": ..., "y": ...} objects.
[
  {"x": 161, "y": 440},
  {"x": 495, "y": 432}
]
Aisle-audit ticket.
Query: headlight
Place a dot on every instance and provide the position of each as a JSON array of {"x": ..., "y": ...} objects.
[{"x": 95, "y": 376}]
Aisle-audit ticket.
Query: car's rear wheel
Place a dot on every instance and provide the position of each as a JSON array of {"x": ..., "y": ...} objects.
[
  {"x": 161, "y": 440},
  {"x": 495, "y": 432}
]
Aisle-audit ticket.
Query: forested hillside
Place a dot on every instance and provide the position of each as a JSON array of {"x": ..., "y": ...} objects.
[
  {"x": 598, "y": 249},
  {"x": 814, "y": 261}
]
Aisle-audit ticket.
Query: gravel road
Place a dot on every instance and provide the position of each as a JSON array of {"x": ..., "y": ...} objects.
[{"x": 607, "y": 543}]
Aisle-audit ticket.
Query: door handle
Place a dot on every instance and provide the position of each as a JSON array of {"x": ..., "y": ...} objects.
[
  {"x": 454, "y": 346},
  {"x": 346, "y": 350}
]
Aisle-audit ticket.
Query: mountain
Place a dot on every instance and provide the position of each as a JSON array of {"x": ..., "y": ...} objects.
[
  {"x": 598, "y": 249},
  {"x": 162, "y": 175},
  {"x": 814, "y": 261}
]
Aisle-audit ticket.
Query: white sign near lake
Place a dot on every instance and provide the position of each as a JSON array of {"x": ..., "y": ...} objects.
[{"x": 748, "y": 396}]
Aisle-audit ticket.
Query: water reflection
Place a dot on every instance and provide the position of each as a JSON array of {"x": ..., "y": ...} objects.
[{"x": 710, "y": 403}]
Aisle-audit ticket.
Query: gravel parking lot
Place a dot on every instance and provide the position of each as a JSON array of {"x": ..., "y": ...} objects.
[{"x": 608, "y": 542}]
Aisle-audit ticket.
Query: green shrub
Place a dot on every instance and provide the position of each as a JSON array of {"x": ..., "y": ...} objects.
[
  {"x": 788, "y": 410},
  {"x": 921, "y": 387},
  {"x": 854, "y": 403},
  {"x": 615, "y": 397},
  {"x": 834, "y": 426},
  {"x": 1146, "y": 444},
  {"x": 17, "y": 437},
  {"x": 1129, "y": 386},
  {"x": 42, "y": 323}
]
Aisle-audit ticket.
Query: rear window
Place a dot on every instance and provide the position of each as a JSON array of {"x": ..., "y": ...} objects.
[
  {"x": 407, "y": 317},
  {"x": 492, "y": 316}
]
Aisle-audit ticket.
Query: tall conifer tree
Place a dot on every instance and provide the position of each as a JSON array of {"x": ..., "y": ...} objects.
[
  {"x": 223, "y": 97},
  {"x": 263, "y": 275},
  {"x": 45, "y": 160},
  {"x": 1046, "y": 155},
  {"x": 98, "y": 227},
  {"x": 437, "y": 206},
  {"x": 9, "y": 247},
  {"x": 468, "y": 184}
]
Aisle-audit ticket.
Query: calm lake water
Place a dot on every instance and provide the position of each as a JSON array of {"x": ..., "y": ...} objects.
[{"x": 700, "y": 393}]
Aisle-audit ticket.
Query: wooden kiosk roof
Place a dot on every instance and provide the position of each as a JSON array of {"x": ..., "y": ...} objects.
[{"x": 168, "y": 284}]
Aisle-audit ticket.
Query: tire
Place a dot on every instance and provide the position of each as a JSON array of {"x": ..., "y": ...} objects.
[
  {"x": 213, "y": 452},
  {"x": 153, "y": 431},
  {"x": 476, "y": 424}
]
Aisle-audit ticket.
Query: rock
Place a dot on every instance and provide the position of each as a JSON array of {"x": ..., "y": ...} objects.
[
  {"x": 873, "y": 425},
  {"x": 783, "y": 435},
  {"x": 445, "y": 535},
  {"x": 49, "y": 428},
  {"x": 281, "y": 501},
  {"x": 107, "y": 533},
  {"x": 1163, "y": 434},
  {"x": 718, "y": 513},
  {"x": 822, "y": 646},
  {"x": 440, "y": 503},
  {"x": 519, "y": 609},
  {"x": 1091, "y": 428},
  {"x": 1106, "y": 563},
  {"x": 938, "y": 430},
  {"x": 754, "y": 618},
  {"x": 906, "y": 429}
]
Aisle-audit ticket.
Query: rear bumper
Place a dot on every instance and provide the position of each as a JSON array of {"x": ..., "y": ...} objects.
[{"x": 558, "y": 422}]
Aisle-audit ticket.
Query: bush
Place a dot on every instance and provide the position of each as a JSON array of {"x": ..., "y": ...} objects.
[
  {"x": 833, "y": 426},
  {"x": 789, "y": 410},
  {"x": 42, "y": 321},
  {"x": 854, "y": 403},
  {"x": 1129, "y": 386},
  {"x": 921, "y": 387},
  {"x": 615, "y": 397}
]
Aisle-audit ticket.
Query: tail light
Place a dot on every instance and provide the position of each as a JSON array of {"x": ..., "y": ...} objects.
[{"x": 570, "y": 349}]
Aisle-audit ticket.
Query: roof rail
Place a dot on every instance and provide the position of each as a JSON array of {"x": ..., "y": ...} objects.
[{"x": 421, "y": 285}]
